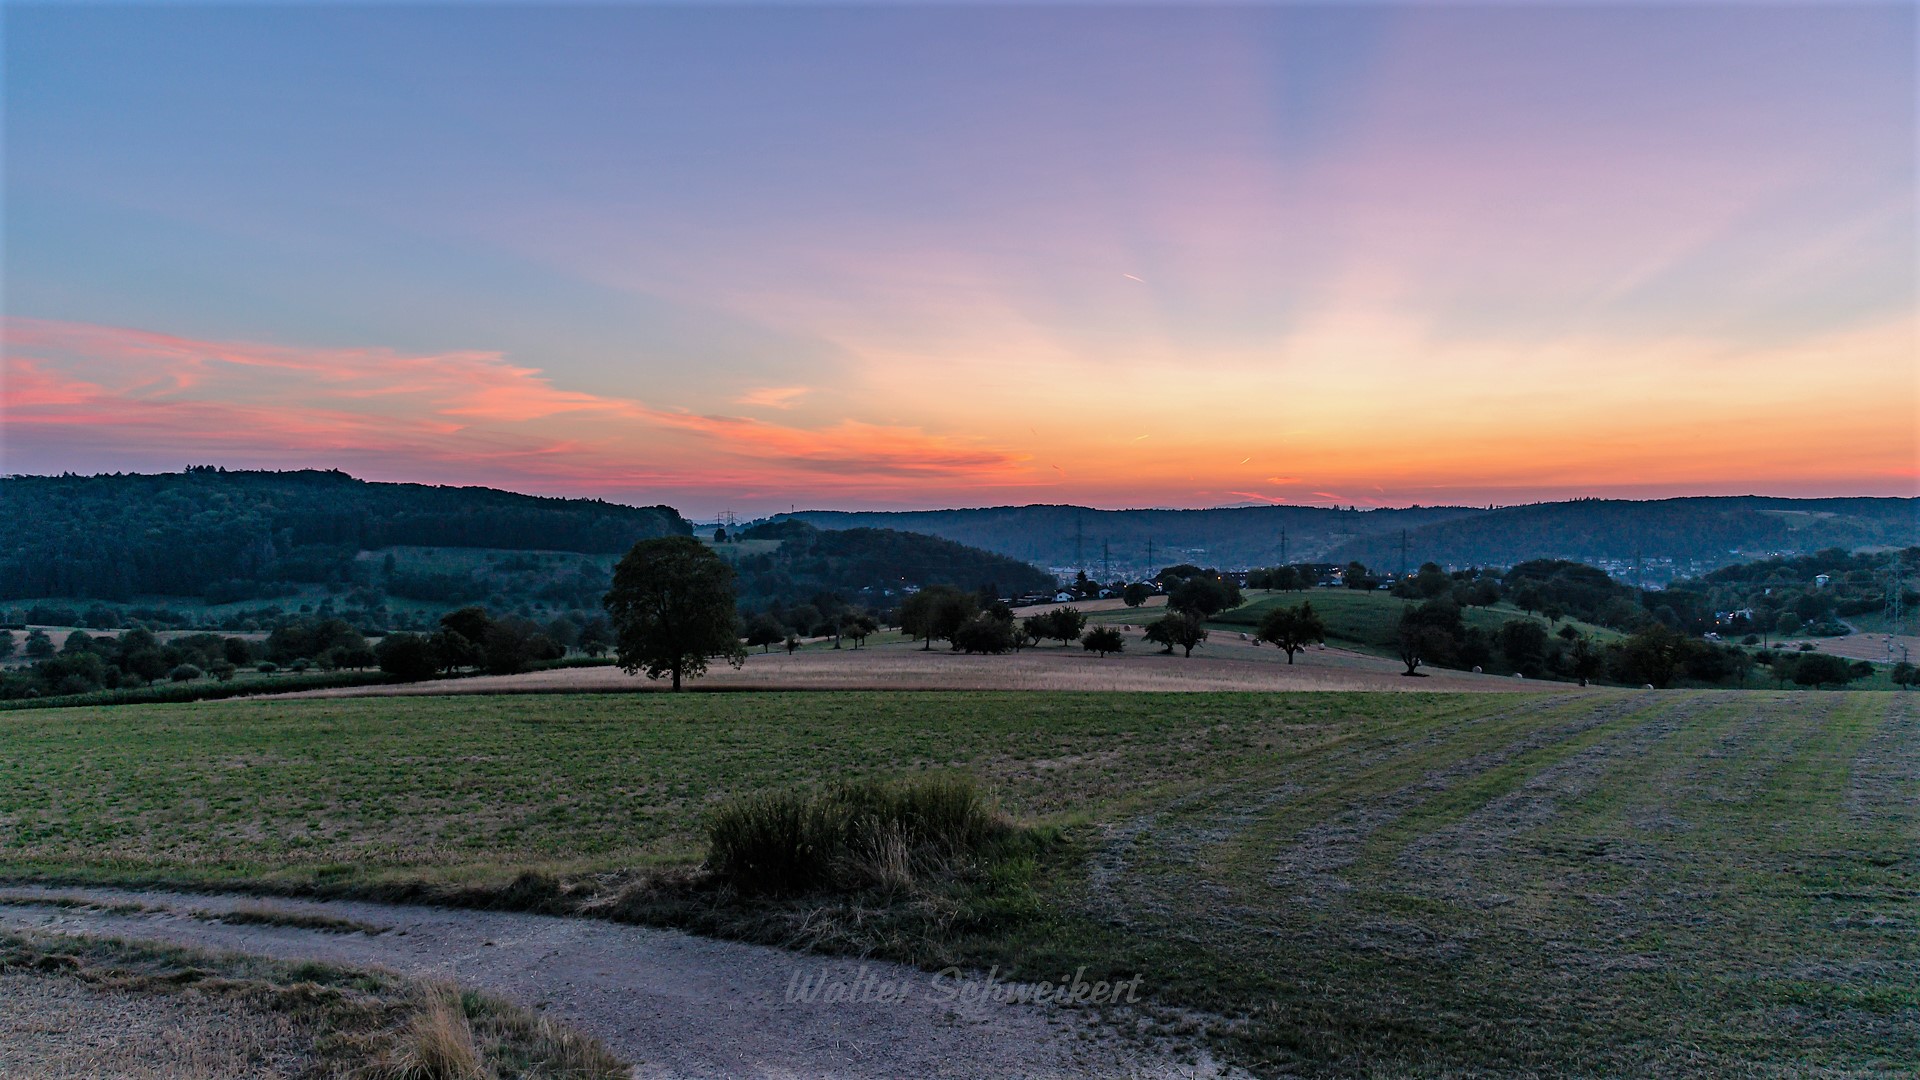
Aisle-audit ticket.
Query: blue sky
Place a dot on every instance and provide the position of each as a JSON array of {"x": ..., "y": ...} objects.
[{"x": 885, "y": 256}]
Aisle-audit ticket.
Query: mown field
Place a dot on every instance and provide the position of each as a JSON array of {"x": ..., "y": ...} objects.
[{"x": 1607, "y": 883}]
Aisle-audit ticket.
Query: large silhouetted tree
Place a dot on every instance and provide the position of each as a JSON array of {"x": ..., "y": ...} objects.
[{"x": 672, "y": 607}]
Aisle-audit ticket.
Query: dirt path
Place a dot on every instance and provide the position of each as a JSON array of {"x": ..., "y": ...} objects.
[{"x": 673, "y": 1004}]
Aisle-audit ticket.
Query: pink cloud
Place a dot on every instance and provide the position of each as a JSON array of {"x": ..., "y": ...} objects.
[{"x": 143, "y": 391}]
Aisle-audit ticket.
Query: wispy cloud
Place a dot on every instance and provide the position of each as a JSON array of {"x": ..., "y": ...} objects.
[
  {"x": 158, "y": 393},
  {"x": 773, "y": 397}
]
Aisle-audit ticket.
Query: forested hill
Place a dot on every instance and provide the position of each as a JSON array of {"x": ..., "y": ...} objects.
[
  {"x": 1692, "y": 533},
  {"x": 1700, "y": 532},
  {"x": 210, "y": 532},
  {"x": 869, "y": 567},
  {"x": 1239, "y": 536}
]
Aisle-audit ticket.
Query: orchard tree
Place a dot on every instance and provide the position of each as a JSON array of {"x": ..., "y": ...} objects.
[
  {"x": 984, "y": 634},
  {"x": 672, "y": 608},
  {"x": 1103, "y": 640},
  {"x": 1136, "y": 593},
  {"x": 1292, "y": 628},
  {"x": 765, "y": 631},
  {"x": 1421, "y": 641},
  {"x": 936, "y": 612},
  {"x": 859, "y": 626},
  {"x": 1177, "y": 629},
  {"x": 1063, "y": 625}
]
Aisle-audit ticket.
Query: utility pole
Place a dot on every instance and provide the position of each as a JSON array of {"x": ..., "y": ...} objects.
[
  {"x": 1149, "y": 554},
  {"x": 1105, "y": 558},
  {"x": 1283, "y": 547},
  {"x": 1403, "y": 554},
  {"x": 1895, "y": 613},
  {"x": 1079, "y": 561}
]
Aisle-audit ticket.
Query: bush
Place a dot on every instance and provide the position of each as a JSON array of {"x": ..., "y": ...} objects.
[
  {"x": 268, "y": 668},
  {"x": 1820, "y": 669},
  {"x": 851, "y": 836},
  {"x": 185, "y": 673}
]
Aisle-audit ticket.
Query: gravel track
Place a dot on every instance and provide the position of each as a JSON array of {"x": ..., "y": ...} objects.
[{"x": 673, "y": 1004}]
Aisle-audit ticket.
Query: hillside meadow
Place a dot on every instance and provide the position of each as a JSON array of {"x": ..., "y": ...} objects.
[{"x": 1600, "y": 883}]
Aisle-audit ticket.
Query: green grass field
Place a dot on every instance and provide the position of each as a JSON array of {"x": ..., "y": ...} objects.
[
  {"x": 1370, "y": 621},
  {"x": 1613, "y": 883}
]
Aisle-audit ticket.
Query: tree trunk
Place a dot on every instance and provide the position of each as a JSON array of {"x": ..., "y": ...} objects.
[{"x": 676, "y": 677}]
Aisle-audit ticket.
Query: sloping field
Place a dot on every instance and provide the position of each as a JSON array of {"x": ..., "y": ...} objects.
[
  {"x": 1224, "y": 663},
  {"x": 1576, "y": 884}
]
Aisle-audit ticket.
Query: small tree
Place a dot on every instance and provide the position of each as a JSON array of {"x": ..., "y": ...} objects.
[
  {"x": 1103, "y": 640},
  {"x": 859, "y": 626},
  {"x": 1904, "y": 675},
  {"x": 1292, "y": 628},
  {"x": 1524, "y": 643},
  {"x": 672, "y": 607},
  {"x": 1584, "y": 659},
  {"x": 765, "y": 631},
  {"x": 1177, "y": 629},
  {"x": 1742, "y": 662},
  {"x": 1136, "y": 593},
  {"x": 184, "y": 673},
  {"x": 1065, "y": 624},
  {"x": 936, "y": 612},
  {"x": 1420, "y": 641},
  {"x": 1653, "y": 654},
  {"x": 39, "y": 645}
]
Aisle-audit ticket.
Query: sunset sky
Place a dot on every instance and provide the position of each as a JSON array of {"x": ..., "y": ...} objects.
[{"x": 754, "y": 257}]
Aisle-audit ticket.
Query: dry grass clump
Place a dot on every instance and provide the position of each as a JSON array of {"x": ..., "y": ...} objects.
[
  {"x": 851, "y": 836},
  {"x": 469, "y": 1036},
  {"x": 337, "y": 1022},
  {"x": 437, "y": 1045}
]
